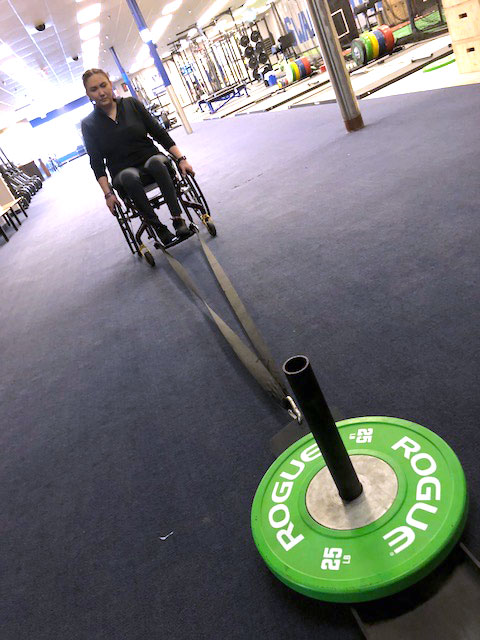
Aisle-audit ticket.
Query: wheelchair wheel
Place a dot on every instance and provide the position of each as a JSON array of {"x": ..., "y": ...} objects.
[
  {"x": 149, "y": 258},
  {"x": 212, "y": 230},
  {"x": 197, "y": 192}
]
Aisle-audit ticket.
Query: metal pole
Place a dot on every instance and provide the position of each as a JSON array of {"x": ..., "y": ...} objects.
[
  {"x": 335, "y": 63},
  {"x": 146, "y": 37},
  {"x": 313, "y": 405},
  {"x": 123, "y": 73}
]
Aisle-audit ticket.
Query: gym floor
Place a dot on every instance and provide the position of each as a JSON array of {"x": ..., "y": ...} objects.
[{"x": 132, "y": 440}]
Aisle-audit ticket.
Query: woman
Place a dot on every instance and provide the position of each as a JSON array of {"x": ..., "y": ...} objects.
[{"x": 117, "y": 133}]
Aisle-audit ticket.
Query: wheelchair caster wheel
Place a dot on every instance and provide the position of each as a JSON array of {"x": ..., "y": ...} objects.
[
  {"x": 193, "y": 227},
  {"x": 149, "y": 258},
  {"x": 212, "y": 230},
  {"x": 157, "y": 245}
]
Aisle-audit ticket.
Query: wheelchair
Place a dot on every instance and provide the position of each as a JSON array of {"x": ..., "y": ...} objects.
[{"x": 191, "y": 200}]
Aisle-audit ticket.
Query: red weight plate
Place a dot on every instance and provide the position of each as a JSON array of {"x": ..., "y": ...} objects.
[
  {"x": 389, "y": 37},
  {"x": 307, "y": 65}
]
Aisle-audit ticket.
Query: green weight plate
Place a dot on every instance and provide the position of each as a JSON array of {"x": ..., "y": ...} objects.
[
  {"x": 359, "y": 52},
  {"x": 413, "y": 512},
  {"x": 368, "y": 46}
]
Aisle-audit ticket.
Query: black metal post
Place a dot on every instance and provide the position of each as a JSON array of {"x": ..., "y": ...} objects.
[{"x": 314, "y": 407}]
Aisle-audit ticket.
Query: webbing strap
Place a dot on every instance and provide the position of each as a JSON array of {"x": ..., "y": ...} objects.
[
  {"x": 242, "y": 314},
  {"x": 249, "y": 359}
]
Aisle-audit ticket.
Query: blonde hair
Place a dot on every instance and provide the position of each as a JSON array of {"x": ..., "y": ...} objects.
[{"x": 91, "y": 72}]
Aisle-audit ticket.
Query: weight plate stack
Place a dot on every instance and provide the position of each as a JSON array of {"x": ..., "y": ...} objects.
[
  {"x": 368, "y": 46},
  {"x": 253, "y": 62},
  {"x": 409, "y": 517},
  {"x": 255, "y": 36},
  {"x": 389, "y": 37},
  {"x": 244, "y": 41},
  {"x": 249, "y": 52},
  {"x": 381, "y": 42},
  {"x": 263, "y": 58},
  {"x": 359, "y": 52},
  {"x": 258, "y": 47},
  {"x": 374, "y": 43}
]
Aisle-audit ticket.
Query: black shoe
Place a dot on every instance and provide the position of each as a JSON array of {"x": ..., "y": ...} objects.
[
  {"x": 164, "y": 234},
  {"x": 181, "y": 229}
]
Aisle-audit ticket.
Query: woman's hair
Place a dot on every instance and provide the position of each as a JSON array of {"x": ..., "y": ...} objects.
[{"x": 91, "y": 72}]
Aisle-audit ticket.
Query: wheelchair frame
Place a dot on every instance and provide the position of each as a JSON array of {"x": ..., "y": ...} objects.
[{"x": 191, "y": 199}]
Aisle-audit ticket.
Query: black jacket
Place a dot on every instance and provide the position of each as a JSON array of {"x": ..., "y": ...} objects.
[{"x": 123, "y": 142}]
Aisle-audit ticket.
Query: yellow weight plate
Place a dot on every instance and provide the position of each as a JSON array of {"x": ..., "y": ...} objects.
[
  {"x": 375, "y": 45},
  {"x": 296, "y": 70}
]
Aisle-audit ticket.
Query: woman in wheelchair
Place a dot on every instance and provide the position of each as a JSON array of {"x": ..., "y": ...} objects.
[{"x": 116, "y": 134}]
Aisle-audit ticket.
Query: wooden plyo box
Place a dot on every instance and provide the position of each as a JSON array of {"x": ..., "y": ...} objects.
[
  {"x": 467, "y": 54},
  {"x": 463, "y": 20}
]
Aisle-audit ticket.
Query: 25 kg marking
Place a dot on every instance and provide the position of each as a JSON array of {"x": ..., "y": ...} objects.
[
  {"x": 333, "y": 558},
  {"x": 362, "y": 436}
]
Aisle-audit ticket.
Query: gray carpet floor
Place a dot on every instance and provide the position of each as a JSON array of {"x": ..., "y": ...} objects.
[{"x": 125, "y": 416}]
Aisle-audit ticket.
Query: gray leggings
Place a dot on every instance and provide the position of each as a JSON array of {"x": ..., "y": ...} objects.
[{"x": 131, "y": 183}]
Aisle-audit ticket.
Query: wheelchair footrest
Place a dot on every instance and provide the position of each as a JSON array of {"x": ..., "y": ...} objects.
[{"x": 159, "y": 245}]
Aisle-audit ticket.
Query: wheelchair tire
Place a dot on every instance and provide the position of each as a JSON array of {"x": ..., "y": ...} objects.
[
  {"x": 212, "y": 229},
  {"x": 149, "y": 258}
]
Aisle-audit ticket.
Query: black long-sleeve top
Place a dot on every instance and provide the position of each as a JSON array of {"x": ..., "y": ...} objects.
[{"x": 123, "y": 142}]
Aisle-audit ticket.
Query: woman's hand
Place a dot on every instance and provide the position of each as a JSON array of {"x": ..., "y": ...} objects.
[
  {"x": 111, "y": 202},
  {"x": 185, "y": 167}
]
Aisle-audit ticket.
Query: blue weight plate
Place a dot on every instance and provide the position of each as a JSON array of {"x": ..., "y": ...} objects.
[
  {"x": 301, "y": 68},
  {"x": 381, "y": 42}
]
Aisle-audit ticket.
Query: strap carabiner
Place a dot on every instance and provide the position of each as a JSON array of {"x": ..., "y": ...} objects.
[{"x": 294, "y": 411}]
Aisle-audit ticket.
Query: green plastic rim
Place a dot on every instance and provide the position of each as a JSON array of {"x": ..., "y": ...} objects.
[
  {"x": 438, "y": 65},
  {"x": 384, "y": 557}
]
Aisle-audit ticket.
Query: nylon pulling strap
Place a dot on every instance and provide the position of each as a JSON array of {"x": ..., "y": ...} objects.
[{"x": 260, "y": 362}]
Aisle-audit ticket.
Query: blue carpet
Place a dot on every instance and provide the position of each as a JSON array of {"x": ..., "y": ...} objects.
[{"x": 125, "y": 416}]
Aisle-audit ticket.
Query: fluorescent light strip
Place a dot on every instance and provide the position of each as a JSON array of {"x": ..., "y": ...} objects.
[
  {"x": 160, "y": 26},
  {"x": 213, "y": 10},
  {"x": 89, "y": 31},
  {"x": 5, "y": 51},
  {"x": 171, "y": 7},
  {"x": 89, "y": 13},
  {"x": 91, "y": 45}
]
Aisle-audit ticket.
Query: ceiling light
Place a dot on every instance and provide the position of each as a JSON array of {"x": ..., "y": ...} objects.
[
  {"x": 145, "y": 35},
  {"x": 225, "y": 24},
  {"x": 89, "y": 31},
  {"x": 159, "y": 27},
  {"x": 5, "y": 51},
  {"x": 91, "y": 45},
  {"x": 90, "y": 63},
  {"x": 212, "y": 11},
  {"x": 171, "y": 7},
  {"x": 89, "y": 13},
  {"x": 143, "y": 53}
]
